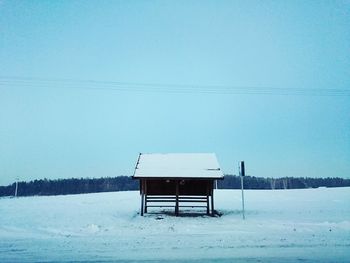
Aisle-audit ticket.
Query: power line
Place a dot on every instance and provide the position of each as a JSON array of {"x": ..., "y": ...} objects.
[{"x": 26, "y": 82}]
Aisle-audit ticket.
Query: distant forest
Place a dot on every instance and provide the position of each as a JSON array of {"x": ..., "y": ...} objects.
[{"x": 125, "y": 183}]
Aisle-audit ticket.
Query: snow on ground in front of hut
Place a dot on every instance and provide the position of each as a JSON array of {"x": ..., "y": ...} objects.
[{"x": 308, "y": 225}]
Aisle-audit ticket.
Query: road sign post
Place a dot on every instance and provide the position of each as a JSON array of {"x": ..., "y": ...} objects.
[{"x": 242, "y": 174}]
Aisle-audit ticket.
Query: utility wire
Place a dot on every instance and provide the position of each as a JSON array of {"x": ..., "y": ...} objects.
[{"x": 26, "y": 82}]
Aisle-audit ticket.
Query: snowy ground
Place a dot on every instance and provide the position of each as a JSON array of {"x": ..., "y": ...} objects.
[{"x": 309, "y": 225}]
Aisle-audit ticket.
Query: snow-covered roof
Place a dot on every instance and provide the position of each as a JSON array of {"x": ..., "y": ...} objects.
[{"x": 178, "y": 165}]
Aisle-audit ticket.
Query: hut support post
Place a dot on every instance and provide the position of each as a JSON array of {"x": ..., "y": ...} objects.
[
  {"x": 212, "y": 200},
  {"x": 208, "y": 195},
  {"x": 145, "y": 196},
  {"x": 142, "y": 196},
  {"x": 177, "y": 198}
]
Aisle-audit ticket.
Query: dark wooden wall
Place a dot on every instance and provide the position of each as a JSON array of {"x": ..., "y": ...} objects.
[{"x": 186, "y": 187}]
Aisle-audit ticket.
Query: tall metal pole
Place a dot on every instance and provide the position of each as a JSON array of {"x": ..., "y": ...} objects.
[{"x": 242, "y": 174}]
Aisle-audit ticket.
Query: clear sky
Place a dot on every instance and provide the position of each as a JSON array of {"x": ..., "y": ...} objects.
[{"x": 54, "y": 128}]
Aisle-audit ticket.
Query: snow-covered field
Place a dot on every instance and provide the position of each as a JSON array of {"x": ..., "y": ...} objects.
[{"x": 309, "y": 225}]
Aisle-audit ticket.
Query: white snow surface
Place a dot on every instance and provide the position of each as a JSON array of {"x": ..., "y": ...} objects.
[
  {"x": 175, "y": 165},
  {"x": 308, "y": 225}
]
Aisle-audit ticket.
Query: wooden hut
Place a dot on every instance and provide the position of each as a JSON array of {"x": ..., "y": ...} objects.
[{"x": 177, "y": 180}]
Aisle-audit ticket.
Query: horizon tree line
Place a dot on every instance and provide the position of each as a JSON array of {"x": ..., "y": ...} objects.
[{"x": 126, "y": 183}]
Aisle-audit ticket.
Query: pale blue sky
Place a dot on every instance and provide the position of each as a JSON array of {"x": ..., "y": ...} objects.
[{"x": 58, "y": 131}]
